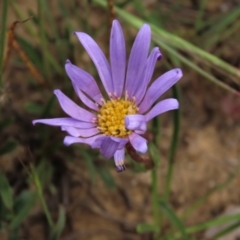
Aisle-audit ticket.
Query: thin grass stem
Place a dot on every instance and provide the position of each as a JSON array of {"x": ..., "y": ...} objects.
[
  {"x": 2, "y": 36},
  {"x": 174, "y": 144},
  {"x": 41, "y": 197},
  {"x": 42, "y": 34}
]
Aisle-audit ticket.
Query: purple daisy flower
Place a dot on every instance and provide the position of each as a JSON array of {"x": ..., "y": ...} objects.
[{"x": 121, "y": 118}]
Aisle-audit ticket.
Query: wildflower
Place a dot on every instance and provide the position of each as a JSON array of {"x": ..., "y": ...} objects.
[{"x": 121, "y": 118}]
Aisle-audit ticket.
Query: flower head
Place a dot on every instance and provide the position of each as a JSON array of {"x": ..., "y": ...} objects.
[{"x": 111, "y": 123}]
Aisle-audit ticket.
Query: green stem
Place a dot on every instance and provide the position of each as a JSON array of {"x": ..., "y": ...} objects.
[
  {"x": 155, "y": 204},
  {"x": 2, "y": 36},
  {"x": 42, "y": 200},
  {"x": 173, "y": 147},
  {"x": 43, "y": 42},
  {"x": 154, "y": 177}
]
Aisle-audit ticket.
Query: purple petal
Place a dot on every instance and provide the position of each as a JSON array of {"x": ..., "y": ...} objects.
[
  {"x": 68, "y": 140},
  {"x": 137, "y": 60},
  {"x": 117, "y": 57},
  {"x": 121, "y": 142},
  {"x": 89, "y": 103},
  {"x": 98, "y": 142},
  {"x": 161, "y": 107},
  {"x": 65, "y": 122},
  {"x": 108, "y": 147},
  {"x": 82, "y": 80},
  {"x": 99, "y": 60},
  {"x": 135, "y": 122},
  {"x": 72, "y": 109},
  {"x": 139, "y": 131},
  {"x": 159, "y": 86},
  {"x": 119, "y": 160},
  {"x": 77, "y": 132},
  {"x": 150, "y": 65},
  {"x": 139, "y": 143}
]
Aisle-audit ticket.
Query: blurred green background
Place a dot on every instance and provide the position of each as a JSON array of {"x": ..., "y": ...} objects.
[{"x": 50, "y": 191}]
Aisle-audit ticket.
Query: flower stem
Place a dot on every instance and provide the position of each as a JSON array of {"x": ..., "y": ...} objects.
[
  {"x": 155, "y": 204},
  {"x": 154, "y": 177},
  {"x": 174, "y": 144}
]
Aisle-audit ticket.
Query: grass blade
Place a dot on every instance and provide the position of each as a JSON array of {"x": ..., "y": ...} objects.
[
  {"x": 2, "y": 36},
  {"x": 170, "y": 214}
]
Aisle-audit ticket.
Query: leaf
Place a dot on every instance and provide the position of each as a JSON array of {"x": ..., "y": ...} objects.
[
  {"x": 44, "y": 171},
  {"x": 22, "y": 206},
  {"x": 145, "y": 227},
  {"x": 106, "y": 177},
  {"x": 5, "y": 123},
  {"x": 154, "y": 153},
  {"x": 34, "y": 108},
  {"x": 170, "y": 214},
  {"x": 58, "y": 228},
  {"x": 6, "y": 192},
  {"x": 8, "y": 147},
  {"x": 90, "y": 165}
]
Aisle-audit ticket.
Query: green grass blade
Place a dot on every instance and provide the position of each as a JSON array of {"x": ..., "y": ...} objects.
[
  {"x": 213, "y": 222},
  {"x": 42, "y": 33},
  {"x": 202, "y": 199},
  {"x": 174, "y": 143},
  {"x": 58, "y": 228},
  {"x": 144, "y": 227},
  {"x": 200, "y": 13},
  {"x": 22, "y": 206},
  {"x": 21, "y": 16},
  {"x": 8, "y": 147},
  {"x": 3, "y": 36},
  {"x": 164, "y": 39},
  {"x": 227, "y": 230},
  {"x": 195, "y": 67},
  {"x": 6, "y": 192},
  {"x": 176, "y": 222}
]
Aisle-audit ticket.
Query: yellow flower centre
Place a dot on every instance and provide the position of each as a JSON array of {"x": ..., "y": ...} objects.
[{"x": 110, "y": 119}]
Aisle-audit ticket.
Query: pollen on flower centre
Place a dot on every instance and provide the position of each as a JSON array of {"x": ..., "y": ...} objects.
[{"x": 110, "y": 119}]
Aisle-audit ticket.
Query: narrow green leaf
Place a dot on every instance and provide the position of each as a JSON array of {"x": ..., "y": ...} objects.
[
  {"x": 170, "y": 214},
  {"x": 144, "y": 227},
  {"x": 6, "y": 192},
  {"x": 174, "y": 143},
  {"x": 154, "y": 153},
  {"x": 22, "y": 206},
  {"x": 33, "y": 108},
  {"x": 38, "y": 184},
  {"x": 43, "y": 38},
  {"x": 90, "y": 165},
  {"x": 32, "y": 53},
  {"x": 5, "y": 123},
  {"x": 227, "y": 230},
  {"x": 203, "y": 198},
  {"x": 48, "y": 107},
  {"x": 8, "y": 147},
  {"x": 221, "y": 24},
  {"x": 106, "y": 177},
  {"x": 22, "y": 16},
  {"x": 212, "y": 222},
  {"x": 171, "y": 43},
  {"x": 44, "y": 170},
  {"x": 4, "y": 14},
  {"x": 58, "y": 228},
  {"x": 14, "y": 234},
  {"x": 195, "y": 67}
]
